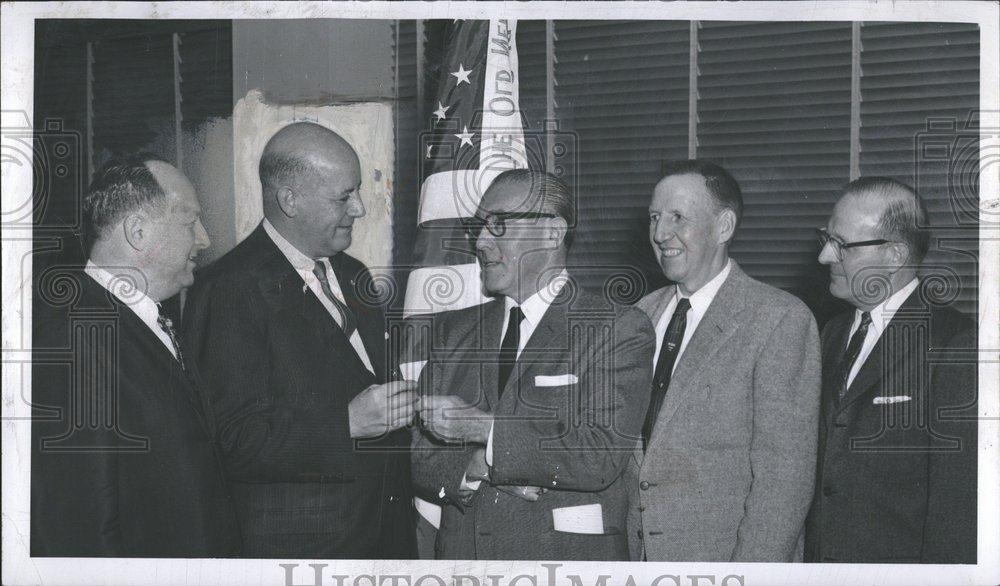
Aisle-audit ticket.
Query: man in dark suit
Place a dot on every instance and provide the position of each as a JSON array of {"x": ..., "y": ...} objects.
[
  {"x": 124, "y": 461},
  {"x": 296, "y": 363},
  {"x": 730, "y": 435},
  {"x": 532, "y": 402},
  {"x": 896, "y": 475}
]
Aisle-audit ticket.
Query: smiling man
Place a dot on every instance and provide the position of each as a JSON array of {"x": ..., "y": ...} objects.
[
  {"x": 296, "y": 363},
  {"x": 896, "y": 479},
  {"x": 730, "y": 435},
  {"x": 124, "y": 461},
  {"x": 532, "y": 403}
]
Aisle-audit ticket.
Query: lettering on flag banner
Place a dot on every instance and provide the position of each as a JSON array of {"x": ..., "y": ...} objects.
[{"x": 477, "y": 133}]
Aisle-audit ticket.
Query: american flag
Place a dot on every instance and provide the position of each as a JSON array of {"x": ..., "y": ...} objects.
[{"x": 477, "y": 134}]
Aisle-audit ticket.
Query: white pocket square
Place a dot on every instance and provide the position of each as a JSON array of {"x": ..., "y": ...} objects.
[
  {"x": 556, "y": 380},
  {"x": 890, "y": 400}
]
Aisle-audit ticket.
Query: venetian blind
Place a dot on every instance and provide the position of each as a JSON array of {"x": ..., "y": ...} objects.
[
  {"x": 920, "y": 125},
  {"x": 622, "y": 95},
  {"x": 774, "y": 109}
]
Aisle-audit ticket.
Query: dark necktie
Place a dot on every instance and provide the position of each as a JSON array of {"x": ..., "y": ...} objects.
[
  {"x": 346, "y": 317},
  {"x": 167, "y": 325},
  {"x": 664, "y": 365},
  {"x": 851, "y": 355},
  {"x": 508, "y": 348}
]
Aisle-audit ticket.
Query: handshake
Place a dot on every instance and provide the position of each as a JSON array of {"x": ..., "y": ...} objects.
[{"x": 380, "y": 409}]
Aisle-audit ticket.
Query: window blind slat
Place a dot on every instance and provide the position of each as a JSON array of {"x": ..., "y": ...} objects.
[{"x": 912, "y": 74}]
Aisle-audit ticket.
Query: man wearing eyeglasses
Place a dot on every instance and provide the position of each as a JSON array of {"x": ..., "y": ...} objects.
[
  {"x": 896, "y": 472},
  {"x": 532, "y": 403},
  {"x": 730, "y": 434}
]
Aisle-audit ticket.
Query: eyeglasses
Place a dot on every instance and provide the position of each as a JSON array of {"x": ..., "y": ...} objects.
[
  {"x": 839, "y": 245},
  {"x": 496, "y": 223}
]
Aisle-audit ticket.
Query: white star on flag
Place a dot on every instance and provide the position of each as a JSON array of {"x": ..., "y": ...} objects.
[
  {"x": 462, "y": 75},
  {"x": 441, "y": 111},
  {"x": 465, "y": 136},
  {"x": 429, "y": 147}
]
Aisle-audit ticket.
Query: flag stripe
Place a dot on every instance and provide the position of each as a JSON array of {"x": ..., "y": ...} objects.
[
  {"x": 443, "y": 288},
  {"x": 442, "y": 242}
]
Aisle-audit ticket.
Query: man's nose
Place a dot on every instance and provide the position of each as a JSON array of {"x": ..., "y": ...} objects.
[
  {"x": 357, "y": 209},
  {"x": 662, "y": 232},
  {"x": 201, "y": 240},
  {"x": 484, "y": 239},
  {"x": 826, "y": 254}
]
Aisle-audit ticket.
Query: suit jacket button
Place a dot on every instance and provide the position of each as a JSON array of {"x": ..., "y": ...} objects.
[
  {"x": 644, "y": 485},
  {"x": 642, "y": 508},
  {"x": 639, "y": 533},
  {"x": 829, "y": 491}
]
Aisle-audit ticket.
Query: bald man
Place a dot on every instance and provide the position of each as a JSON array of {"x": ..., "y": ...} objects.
[{"x": 309, "y": 428}]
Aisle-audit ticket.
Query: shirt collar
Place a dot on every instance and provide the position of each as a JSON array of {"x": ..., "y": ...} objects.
[
  {"x": 883, "y": 313},
  {"x": 299, "y": 260},
  {"x": 534, "y": 307},
  {"x": 122, "y": 286},
  {"x": 702, "y": 298}
]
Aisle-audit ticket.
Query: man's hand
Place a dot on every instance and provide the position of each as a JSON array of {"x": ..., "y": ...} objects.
[
  {"x": 380, "y": 409},
  {"x": 476, "y": 471},
  {"x": 451, "y": 419}
]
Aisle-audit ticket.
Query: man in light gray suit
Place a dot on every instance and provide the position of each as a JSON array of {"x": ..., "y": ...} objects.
[
  {"x": 532, "y": 403},
  {"x": 730, "y": 434}
]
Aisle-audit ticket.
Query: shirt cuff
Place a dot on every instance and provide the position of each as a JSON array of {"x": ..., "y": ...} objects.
[{"x": 489, "y": 446}]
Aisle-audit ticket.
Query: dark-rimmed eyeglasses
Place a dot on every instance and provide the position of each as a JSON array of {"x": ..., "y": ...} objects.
[
  {"x": 496, "y": 223},
  {"x": 839, "y": 246}
]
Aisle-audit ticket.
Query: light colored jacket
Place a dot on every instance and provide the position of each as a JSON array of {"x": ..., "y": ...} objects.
[{"x": 729, "y": 470}]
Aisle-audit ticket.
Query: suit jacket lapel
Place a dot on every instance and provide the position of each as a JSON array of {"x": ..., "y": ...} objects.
[
  {"x": 284, "y": 288},
  {"x": 550, "y": 332},
  {"x": 490, "y": 324},
  {"x": 369, "y": 319},
  {"x": 714, "y": 329},
  {"x": 136, "y": 333},
  {"x": 832, "y": 355},
  {"x": 877, "y": 366}
]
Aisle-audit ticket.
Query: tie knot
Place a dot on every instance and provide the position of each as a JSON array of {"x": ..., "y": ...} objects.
[
  {"x": 165, "y": 322},
  {"x": 866, "y": 319},
  {"x": 516, "y": 315},
  {"x": 319, "y": 269},
  {"x": 683, "y": 305}
]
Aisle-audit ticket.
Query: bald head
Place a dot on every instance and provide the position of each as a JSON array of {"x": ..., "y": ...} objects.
[
  {"x": 299, "y": 150},
  {"x": 311, "y": 179}
]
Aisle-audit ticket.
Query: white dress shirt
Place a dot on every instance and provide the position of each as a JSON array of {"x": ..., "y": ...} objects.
[
  {"x": 700, "y": 301},
  {"x": 304, "y": 264},
  {"x": 881, "y": 316},
  {"x": 123, "y": 288}
]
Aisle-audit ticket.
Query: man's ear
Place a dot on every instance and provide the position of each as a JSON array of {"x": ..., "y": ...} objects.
[
  {"x": 136, "y": 229},
  {"x": 557, "y": 230},
  {"x": 899, "y": 255},
  {"x": 726, "y": 225},
  {"x": 287, "y": 201}
]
